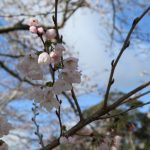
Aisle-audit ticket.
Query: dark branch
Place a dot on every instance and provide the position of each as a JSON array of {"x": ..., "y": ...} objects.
[{"x": 125, "y": 45}]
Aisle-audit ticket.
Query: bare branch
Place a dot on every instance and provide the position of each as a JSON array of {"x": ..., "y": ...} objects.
[
  {"x": 125, "y": 45},
  {"x": 77, "y": 105}
]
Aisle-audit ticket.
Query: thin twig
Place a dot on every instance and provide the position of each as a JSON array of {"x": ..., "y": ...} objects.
[
  {"x": 55, "y": 21},
  {"x": 139, "y": 88},
  {"x": 71, "y": 103},
  {"x": 122, "y": 113},
  {"x": 136, "y": 97},
  {"x": 115, "y": 62},
  {"x": 11, "y": 56},
  {"x": 59, "y": 117},
  {"x": 77, "y": 105},
  {"x": 37, "y": 132}
]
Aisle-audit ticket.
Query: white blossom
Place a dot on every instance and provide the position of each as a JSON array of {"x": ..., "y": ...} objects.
[
  {"x": 44, "y": 58},
  {"x": 36, "y": 94},
  {"x": 71, "y": 63},
  {"x": 71, "y": 76},
  {"x": 29, "y": 67},
  {"x": 59, "y": 48},
  {"x": 61, "y": 86},
  {"x": 44, "y": 96},
  {"x": 55, "y": 57}
]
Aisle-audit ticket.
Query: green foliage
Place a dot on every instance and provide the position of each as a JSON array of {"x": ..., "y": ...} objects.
[{"x": 119, "y": 125}]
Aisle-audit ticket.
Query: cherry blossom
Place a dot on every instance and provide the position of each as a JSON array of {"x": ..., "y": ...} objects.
[
  {"x": 40, "y": 30},
  {"x": 71, "y": 76},
  {"x": 50, "y": 34},
  {"x": 59, "y": 47},
  {"x": 44, "y": 96},
  {"x": 33, "y": 29},
  {"x": 49, "y": 98},
  {"x": 33, "y": 22},
  {"x": 71, "y": 63},
  {"x": 36, "y": 93},
  {"x": 61, "y": 86},
  {"x": 55, "y": 57},
  {"x": 44, "y": 58},
  {"x": 29, "y": 67}
]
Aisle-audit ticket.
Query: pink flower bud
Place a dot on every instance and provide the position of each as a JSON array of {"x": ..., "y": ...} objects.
[
  {"x": 40, "y": 30},
  {"x": 33, "y": 22},
  {"x": 50, "y": 34},
  {"x": 44, "y": 58},
  {"x": 55, "y": 57},
  {"x": 33, "y": 29}
]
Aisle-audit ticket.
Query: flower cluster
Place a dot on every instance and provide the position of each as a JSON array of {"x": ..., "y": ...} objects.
[
  {"x": 64, "y": 72},
  {"x": 35, "y": 26},
  {"x": 53, "y": 57},
  {"x": 44, "y": 96}
]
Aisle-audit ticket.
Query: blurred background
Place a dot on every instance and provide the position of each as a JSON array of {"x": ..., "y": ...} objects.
[{"x": 93, "y": 31}]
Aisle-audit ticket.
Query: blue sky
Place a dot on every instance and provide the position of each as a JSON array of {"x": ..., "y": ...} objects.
[{"x": 89, "y": 40}]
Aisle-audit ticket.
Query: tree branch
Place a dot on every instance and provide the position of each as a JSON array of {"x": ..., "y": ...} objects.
[
  {"x": 96, "y": 116},
  {"x": 115, "y": 62}
]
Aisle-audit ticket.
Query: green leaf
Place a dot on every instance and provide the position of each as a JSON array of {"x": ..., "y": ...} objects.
[
  {"x": 39, "y": 52},
  {"x": 48, "y": 43},
  {"x": 49, "y": 84}
]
